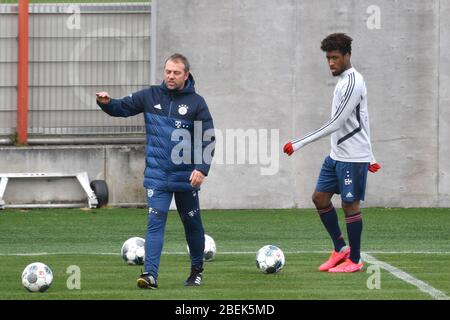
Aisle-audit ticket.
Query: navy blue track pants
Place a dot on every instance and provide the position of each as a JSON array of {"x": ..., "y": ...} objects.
[{"x": 188, "y": 208}]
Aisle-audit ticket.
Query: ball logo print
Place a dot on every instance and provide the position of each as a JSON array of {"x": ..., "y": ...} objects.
[
  {"x": 37, "y": 277},
  {"x": 133, "y": 251},
  {"x": 270, "y": 259}
]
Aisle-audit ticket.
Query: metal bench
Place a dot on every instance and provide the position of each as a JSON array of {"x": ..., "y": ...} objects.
[{"x": 96, "y": 191}]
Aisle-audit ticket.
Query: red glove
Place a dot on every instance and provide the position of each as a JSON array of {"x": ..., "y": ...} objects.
[
  {"x": 374, "y": 167},
  {"x": 288, "y": 148}
]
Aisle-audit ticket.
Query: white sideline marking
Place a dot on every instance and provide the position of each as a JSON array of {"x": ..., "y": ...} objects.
[
  {"x": 409, "y": 252},
  {"x": 422, "y": 286},
  {"x": 219, "y": 252}
]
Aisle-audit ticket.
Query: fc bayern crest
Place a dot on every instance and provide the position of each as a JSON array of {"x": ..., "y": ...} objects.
[{"x": 183, "y": 109}]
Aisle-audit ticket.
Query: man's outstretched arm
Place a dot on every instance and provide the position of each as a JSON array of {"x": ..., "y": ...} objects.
[
  {"x": 125, "y": 107},
  {"x": 351, "y": 97}
]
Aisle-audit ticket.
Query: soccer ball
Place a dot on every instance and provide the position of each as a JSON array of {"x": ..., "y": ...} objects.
[
  {"x": 37, "y": 277},
  {"x": 270, "y": 259},
  {"x": 210, "y": 248},
  {"x": 133, "y": 251}
]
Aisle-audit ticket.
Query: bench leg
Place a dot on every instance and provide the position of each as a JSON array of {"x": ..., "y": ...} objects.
[
  {"x": 84, "y": 181},
  {"x": 3, "y": 183}
]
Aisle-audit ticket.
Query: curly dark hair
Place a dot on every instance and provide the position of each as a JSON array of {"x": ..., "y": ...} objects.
[{"x": 337, "y": 41}]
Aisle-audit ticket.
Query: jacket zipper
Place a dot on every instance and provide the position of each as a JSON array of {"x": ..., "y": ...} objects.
[
  {"x": 170, "y": 111},
  {"x": 170, "y": 107}
]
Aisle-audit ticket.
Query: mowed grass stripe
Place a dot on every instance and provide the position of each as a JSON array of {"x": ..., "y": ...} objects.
[
  {"x": 239, "y": 234},
  {"x": 105, "y": 230},
  {"x": 402, "y": 275},
  {"x": 227, "y": 277}
]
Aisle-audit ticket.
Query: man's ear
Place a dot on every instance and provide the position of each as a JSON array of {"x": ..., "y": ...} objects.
[{"x": 347, "y": 57}]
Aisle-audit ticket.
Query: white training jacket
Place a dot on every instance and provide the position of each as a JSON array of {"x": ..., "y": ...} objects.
[{"x": 349, "y": 123}]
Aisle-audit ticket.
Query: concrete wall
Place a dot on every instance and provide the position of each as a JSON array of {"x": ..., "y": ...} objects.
[
  {"x": 259, "y": 66},
  {"x": 443, "y": 174}
]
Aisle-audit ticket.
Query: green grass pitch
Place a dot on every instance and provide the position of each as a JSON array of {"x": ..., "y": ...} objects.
[{"x": 417, "y": 241}]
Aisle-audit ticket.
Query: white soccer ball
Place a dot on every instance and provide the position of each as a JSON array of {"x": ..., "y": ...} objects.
[
  {"x": 133, "y": 251},
  {"x": 270, "y": 259},
  {"x": 37, "y": 277},
  {"x": 210, "y": 248}
]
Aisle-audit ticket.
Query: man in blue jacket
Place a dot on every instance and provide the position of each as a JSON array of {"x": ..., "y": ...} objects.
[{"x": 176, "y": 164}]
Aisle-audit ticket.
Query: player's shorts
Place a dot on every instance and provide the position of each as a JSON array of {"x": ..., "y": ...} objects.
[{"x": 345, "y": 178}]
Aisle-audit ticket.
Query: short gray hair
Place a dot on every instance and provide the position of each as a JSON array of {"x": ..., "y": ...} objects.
[{"x": 178, "y": 57}]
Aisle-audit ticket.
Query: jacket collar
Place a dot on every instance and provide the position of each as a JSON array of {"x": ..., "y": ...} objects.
[{"x": 346, "y": 73}]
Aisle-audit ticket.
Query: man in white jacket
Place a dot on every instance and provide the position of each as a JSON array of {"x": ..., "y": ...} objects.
[{"x": 344, "y": 170}]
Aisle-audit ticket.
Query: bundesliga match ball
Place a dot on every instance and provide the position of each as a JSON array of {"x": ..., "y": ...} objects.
[
  {"x": 270, "y": 259},
  {"x": 37, "y": 277},
  {"x": 133, "y": 251},
  {"x": 210, "y": 248}
]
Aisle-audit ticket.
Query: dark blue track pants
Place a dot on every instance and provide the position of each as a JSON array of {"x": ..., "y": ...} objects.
[{"x": 188, "y": 208}]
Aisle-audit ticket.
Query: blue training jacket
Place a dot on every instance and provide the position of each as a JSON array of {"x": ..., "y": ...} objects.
[{"x": 172, "y": 153}]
